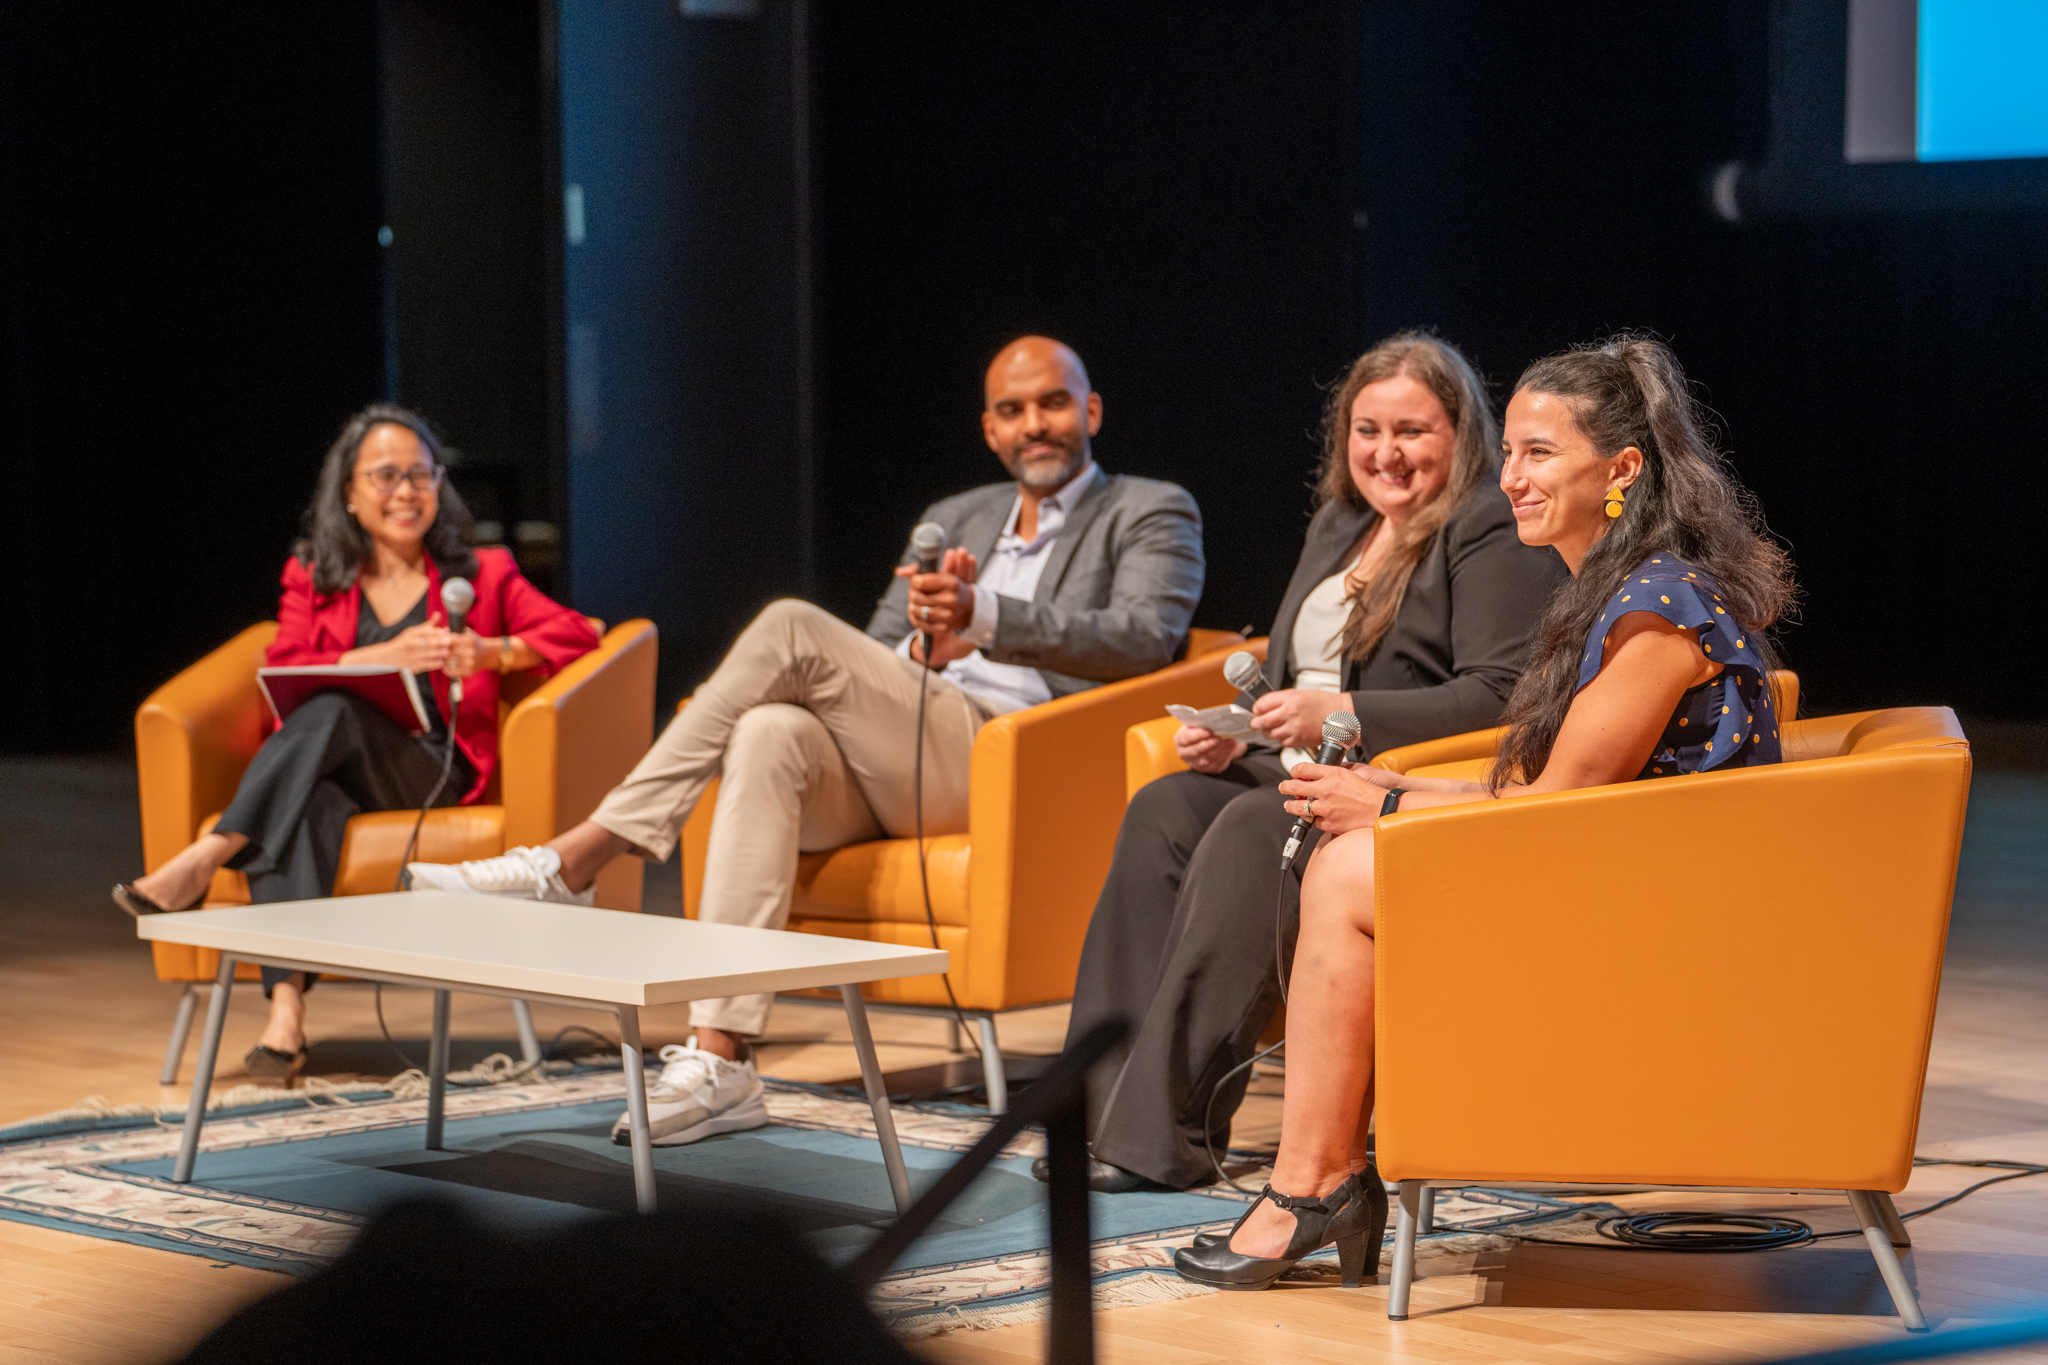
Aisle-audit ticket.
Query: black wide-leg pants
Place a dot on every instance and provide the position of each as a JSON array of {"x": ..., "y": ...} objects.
[
  {"x": 334, "y": 757},
  {"x": 1183, "y": 944}
]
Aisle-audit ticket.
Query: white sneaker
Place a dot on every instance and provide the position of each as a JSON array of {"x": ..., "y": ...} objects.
[
  {"x": 530, "y": 874},
  {"x": 698, "y": 1094}
]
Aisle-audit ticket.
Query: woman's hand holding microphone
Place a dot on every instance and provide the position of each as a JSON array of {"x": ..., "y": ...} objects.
[
  {"x": 1292, "y": 718},
  {"x": 430, "y": 649}
]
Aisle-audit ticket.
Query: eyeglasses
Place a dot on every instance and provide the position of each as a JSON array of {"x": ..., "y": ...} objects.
[{"x": 424, "y": 478}]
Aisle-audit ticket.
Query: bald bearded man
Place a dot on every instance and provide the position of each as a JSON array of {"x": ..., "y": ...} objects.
[{"x": 1062, "y": 578}]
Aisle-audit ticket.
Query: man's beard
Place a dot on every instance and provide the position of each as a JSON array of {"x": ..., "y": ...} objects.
[{"x": 1036, "y": 474}]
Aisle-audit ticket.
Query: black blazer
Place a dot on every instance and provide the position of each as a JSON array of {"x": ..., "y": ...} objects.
[{"x": 1462, "y": 635}]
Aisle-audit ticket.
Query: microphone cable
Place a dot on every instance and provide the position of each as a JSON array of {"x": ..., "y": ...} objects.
[
  {"x": 924, "y": 672},
  {"x": 447, "y": 768}
]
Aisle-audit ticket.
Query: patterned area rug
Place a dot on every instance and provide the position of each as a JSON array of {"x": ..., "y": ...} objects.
[{"x": 285, "y": 1184}]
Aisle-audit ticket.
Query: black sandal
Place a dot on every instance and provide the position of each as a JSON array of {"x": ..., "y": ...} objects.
[
  {"x": 270, "y": 1064},
  {"x": 1354, "y": 1216},
  {"x": 138, "y": 905}
]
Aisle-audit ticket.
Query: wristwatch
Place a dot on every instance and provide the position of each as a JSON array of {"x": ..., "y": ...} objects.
[{"x": 1392, "y": 801}]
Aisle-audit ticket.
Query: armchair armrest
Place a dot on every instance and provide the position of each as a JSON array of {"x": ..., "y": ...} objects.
[
  {"x": 193, "y": 737},
  {"x": 1046, "y": 797},
  {"x": 1149, "y": 754},
  {"x": 1464, "y": 750},
  {"x": 1751, "y": 957},
  {"x": 574, "y": 739}
]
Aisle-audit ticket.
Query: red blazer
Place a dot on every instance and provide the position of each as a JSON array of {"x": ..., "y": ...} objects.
[{"x": 315, "y": 627}]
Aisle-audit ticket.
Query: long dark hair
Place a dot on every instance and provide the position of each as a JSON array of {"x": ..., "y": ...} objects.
[
  {"x": 1630, "y": 391},
  {"x": 1439, "y": 367},
  {"x": 337, "y": 547}
]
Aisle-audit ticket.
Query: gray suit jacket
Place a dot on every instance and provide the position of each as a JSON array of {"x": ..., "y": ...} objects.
[
  {"x": 1117, "y": 594},
  {"x": 1462, "y": 635}
]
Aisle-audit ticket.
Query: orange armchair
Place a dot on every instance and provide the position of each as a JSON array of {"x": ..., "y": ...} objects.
[
  {"x": 1013, "y": 895},
  {"x": 1790, "y": 920},
  {"x": 562, "y": 743}
]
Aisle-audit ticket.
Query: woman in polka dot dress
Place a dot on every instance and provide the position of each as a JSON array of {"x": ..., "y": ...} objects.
[{"x": 1651, "y": 663}]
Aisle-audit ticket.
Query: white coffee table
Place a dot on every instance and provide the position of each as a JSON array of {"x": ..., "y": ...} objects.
[{"x": 564, "y": 954}]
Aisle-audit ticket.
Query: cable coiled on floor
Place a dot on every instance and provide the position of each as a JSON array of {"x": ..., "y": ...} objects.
[{"x": 1681, "y": 1231}]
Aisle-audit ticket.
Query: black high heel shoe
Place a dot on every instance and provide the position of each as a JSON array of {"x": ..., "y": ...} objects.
[
  {"x": 138, "y": 905},
  {"x": 1354, "y": 1216}
]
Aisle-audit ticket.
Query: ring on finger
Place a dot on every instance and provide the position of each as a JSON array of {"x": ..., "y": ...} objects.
[{"x": 1308, "y": 810}]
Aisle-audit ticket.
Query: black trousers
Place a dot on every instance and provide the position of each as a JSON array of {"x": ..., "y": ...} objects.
[
  {"x": 1183, "y": 944},
  {"x": 334, "y": 757}
]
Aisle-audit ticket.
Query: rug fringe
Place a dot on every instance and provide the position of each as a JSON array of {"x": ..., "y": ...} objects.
[
  {"x": 1131, "y": 1291},
  {"x": 496, "y": 1069}
]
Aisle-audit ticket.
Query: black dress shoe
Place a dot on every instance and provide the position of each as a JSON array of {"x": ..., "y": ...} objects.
[
  {"x": 1103, "y": 1178},
  {"x": 269, "y": 1064},
  {"x": 138, "y": 905},
  {"x": 1354, "y": 1216}
]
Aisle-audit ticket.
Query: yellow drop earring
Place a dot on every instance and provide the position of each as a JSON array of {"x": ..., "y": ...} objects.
[{"x": 1614, "y": 501}]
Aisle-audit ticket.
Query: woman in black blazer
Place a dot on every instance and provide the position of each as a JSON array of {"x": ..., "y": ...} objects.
[{"x": 1411, "y": 607}]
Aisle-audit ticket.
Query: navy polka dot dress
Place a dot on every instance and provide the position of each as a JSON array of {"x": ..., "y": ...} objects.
[{"x": 1726, "y": 722}]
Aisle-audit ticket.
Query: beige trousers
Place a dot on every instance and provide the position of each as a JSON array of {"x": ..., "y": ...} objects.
[{"x": 810, "y": 725}]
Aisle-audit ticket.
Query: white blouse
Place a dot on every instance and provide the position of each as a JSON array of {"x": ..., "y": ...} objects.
[{"x": 1319, "y": 644}]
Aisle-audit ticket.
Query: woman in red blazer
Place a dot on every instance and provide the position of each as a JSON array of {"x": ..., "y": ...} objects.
[{"x": 363, "y": 586}]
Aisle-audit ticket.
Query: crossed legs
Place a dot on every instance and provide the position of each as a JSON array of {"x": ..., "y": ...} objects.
[
  {"x": 1328, "y": 1108},
  {"x": 810, "y": 726}
]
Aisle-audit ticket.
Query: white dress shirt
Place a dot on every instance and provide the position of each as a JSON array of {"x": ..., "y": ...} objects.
[{"x": 1012, "y": 571}]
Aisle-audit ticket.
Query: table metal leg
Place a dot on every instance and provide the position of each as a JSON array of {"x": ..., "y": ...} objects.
[
  {"x": 1407, "y": 1216},
  {"x": 529, "y": 1040},
  {"x": 1903, "y": 1297},
  {"x": 878, "y": 1097},
  {"x": 181, "y": 1029},
  {"x": 636, "y": 1108},
  {"x": 202, "y": 1076},
  {"x": 437, "y": 1072}
]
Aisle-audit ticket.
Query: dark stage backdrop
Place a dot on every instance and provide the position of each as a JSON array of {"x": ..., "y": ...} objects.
[
  {"x": 189, "y": 299},
  {"x": 1218, "y": 204},
  {"x": 1165, "y": 186},
  {"x": 1532, "y": 184}
]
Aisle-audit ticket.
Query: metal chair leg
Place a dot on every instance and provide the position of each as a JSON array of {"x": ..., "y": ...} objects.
[
  {"x": 1425, "y": 1214},
  {"x": 992, "y": 1068},
  {"x": 1903, "y": 1297},
  {"x": 1894, "y": 1226},
  {"x": 529, "y": 1040},
  {"x": 181, "y": 1029},
  {"x": 1407, "y": 1216},
  {"x": 954, "y": 1041}
]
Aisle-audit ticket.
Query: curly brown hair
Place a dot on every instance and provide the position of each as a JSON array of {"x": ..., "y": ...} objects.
[{"x": 1630, "y": 391}]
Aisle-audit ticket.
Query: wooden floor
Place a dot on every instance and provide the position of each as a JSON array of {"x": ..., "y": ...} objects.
[{"x": 84, "y": 1015}]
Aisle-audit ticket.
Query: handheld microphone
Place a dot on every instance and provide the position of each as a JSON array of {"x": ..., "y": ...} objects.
[
  {"x": 1340, "y": 732},
  {"x": 928, "y": 543},
  {"x": 457, "y": 597},
  {"x": 1242, "y": 672}
]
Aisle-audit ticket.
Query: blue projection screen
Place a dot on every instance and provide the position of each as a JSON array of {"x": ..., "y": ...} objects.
[{"x": 1946, "y": 80}]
